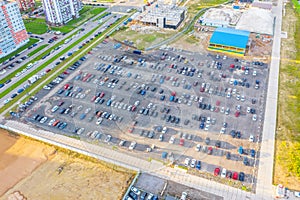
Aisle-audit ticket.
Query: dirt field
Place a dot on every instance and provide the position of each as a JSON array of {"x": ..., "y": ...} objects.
[{"x": 37, "y": 171}]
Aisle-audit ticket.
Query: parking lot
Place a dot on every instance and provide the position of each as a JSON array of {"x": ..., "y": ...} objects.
[{"x": 168, "y": 105}]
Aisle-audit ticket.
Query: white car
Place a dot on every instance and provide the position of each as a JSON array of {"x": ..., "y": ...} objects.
[
  {"x": 251, "y": 138},
  {"x": 242, "y": 98},
  {"x": 223, "y": 130},
  {"x": 297, "y": 194},
  {"x": 164, "y": 130},
  {"x": 51, "y": 122},
  {"x": 150, "y": 196},
  {"x": 183, "y": 196},
  {"x": 132, "y": 145},
  {"x": 248, "y": 109},
  {"x": 223, "y": 173},
  {"x": 80, "y": 131},
  {"x": 135, "y": 190},
  {"x": 108, "y": 138},
  {"x": 254, "y": 117},
  {"x": 254, "y": 73},
  {"x": 228, "y": 95},
  {"x": 187, "y": 162},
  {"x": 206, "y": 127},
  {"x": 193, "y": 163},
  {"x": 161, "y": 137},
  {"x": 198, "y": 147},
  {"x": 222, "y": 110},
  {"x": 208, "y": 120},
  {"x": 99, "y": 121},
  {"x": 172, "y": 140},
  {"x": 122, "y": 142},
  {"x": 238, "y": 97},
  {"x": 43, "y": 120}
]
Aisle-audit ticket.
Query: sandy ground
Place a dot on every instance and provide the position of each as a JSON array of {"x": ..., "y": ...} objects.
[
  {"x": 36, "y": 171},
  {"x": 19, "y": 158}
]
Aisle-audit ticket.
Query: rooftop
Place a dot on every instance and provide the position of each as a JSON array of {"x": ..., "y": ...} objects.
[{"x": 230, "y": 37}]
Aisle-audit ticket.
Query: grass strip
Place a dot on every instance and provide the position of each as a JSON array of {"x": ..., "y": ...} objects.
[
  {"x": 32, "y": 61},
  {"x": 31, "y": 42},
  {"x": 101, "y": 16},
  {"x": 78, "y": 54},
  {"x": 37, "y": 50}
]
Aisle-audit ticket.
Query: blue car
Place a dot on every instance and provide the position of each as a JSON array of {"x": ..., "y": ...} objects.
[
  {"x": 162, "y": 97},
  {"x": 201, "y": 126},
  {"x": 82, "y": 116},
  {"x": 198, "y": 165},
  {"x": 252, "y": 153},
  {"x": 20, "y": 90}
]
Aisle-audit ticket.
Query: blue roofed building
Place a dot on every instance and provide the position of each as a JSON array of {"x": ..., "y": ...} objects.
[{"x": 228, "y": 40}]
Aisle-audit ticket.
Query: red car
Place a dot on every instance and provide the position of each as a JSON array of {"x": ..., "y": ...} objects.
[
  {"x": 102, "y": 94},
  {"x": 217, "y": 171},
  {"x": 202, "y": 89},
  {"x": 130, "y": 130},
  {"x": 209, "y": 150},
  {"x": 133, "y": 108},
  {"x": 181, "y": 142},
  {"x": 235, "y": 176},
  {"x": 48, "y": 70},
  {"x": 66, "y": 86},
  {"x": 218, "y": 103},
  {"x": 93, "y": 98},
  {"x": 237, "y": 114},
  {"x": 173, "y": 94}
]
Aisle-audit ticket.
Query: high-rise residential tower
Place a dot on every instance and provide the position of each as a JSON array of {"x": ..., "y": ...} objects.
[
  {"x": 12, "y": 29},
  {"x": 59, "y": 12},
  {"x": 26, "y": 4}
]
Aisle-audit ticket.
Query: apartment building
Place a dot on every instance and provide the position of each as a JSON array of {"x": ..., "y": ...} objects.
[
  {"x": 59, "y": 12},
  {"x": 26, "y": 4},
  {"x": 12, "y": 29}
]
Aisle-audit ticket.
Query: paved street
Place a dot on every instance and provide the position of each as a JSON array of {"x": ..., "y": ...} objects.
[{"x": 265, "y": 172}]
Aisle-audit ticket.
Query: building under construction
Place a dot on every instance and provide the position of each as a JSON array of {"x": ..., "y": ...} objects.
[{"x": 162, "y": 15}]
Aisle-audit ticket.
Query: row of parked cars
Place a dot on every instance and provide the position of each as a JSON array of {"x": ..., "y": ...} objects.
[
  {"x": 136, "y": 194},
  {"x": 229, "y": 174}
]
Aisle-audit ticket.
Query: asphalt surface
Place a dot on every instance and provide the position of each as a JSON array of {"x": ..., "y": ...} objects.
[
  {"x": 109, "y": 19},
  {"x": 132, "y": 77}
]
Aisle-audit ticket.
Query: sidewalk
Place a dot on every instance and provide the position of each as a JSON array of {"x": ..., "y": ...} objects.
[
  {"x": 109, "y": 155},
  {"x": 264, "y": 188}
]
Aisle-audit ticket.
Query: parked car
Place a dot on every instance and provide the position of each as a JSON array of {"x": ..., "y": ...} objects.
[
  {"x": 217, "y": 171},
  {"x": 132, "y": 145},
  {"x": 135, "y": 190},
  {"x": 223, "y": 173},
  {"x": 241, "y": 176}
]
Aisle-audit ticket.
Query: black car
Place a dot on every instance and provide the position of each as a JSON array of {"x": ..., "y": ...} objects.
[
  {"x": 242, "y": 176},
  {"x": 228, "y": 155},
  {"x": 218, "y": 144},
  {"x": 7, "y": 81},
  {"x": 207, "y": 141},
  {"x": 232, "y": 133},
  {"x": 143, "y": 195},
  {"x": 134, "y": 196}
]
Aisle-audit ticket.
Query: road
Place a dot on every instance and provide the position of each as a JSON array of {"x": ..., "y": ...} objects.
[
  {"x": 90, "y": 25},
  {"x": 265, "y": 171},
  {"x": 102, "y": 28}
]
